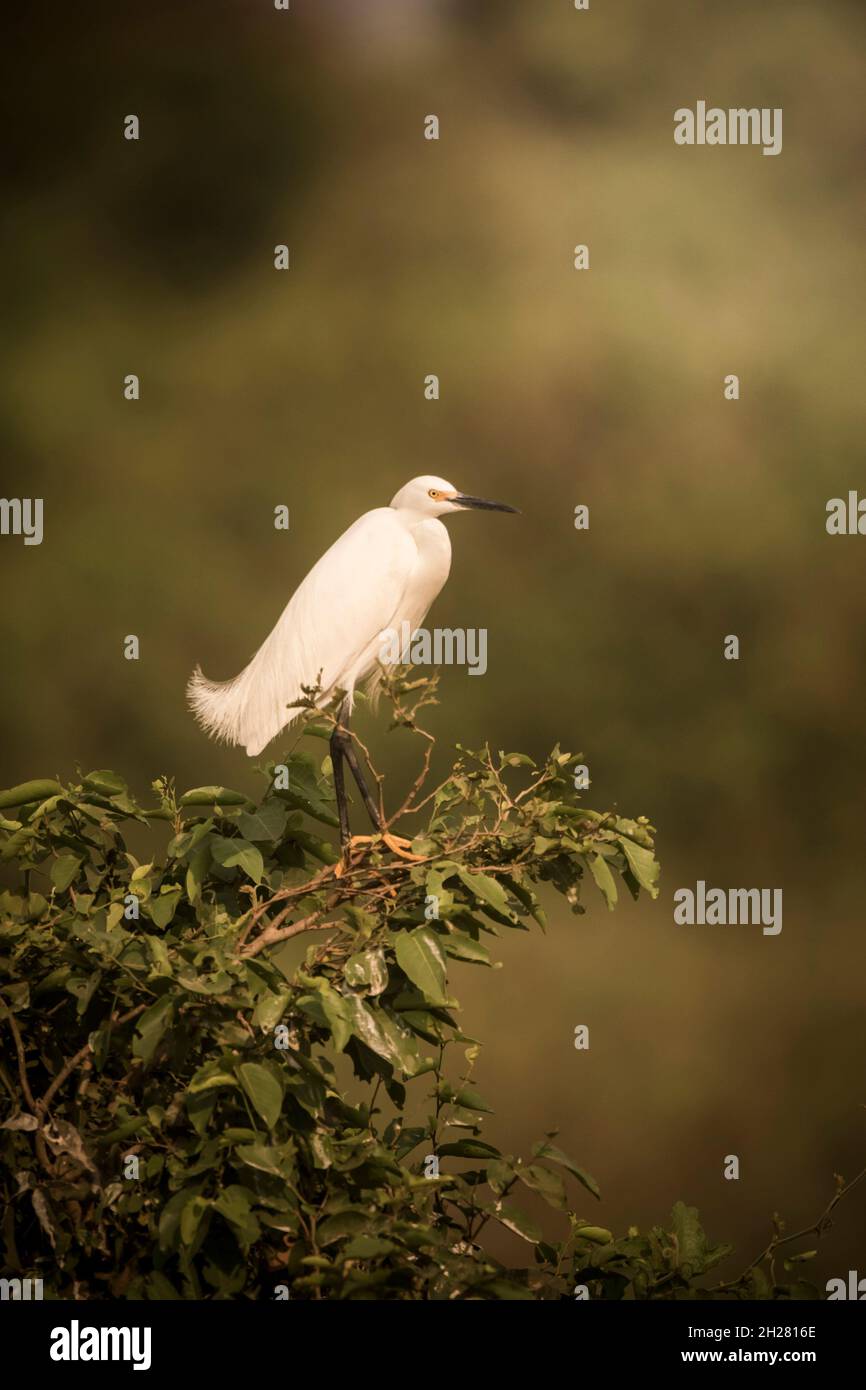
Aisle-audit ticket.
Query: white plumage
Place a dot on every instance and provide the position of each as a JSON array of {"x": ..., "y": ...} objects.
[{"x": 386, "y": 569}]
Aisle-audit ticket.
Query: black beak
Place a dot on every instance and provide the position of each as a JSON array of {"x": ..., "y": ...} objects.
[{"x": 482, "y": 505}]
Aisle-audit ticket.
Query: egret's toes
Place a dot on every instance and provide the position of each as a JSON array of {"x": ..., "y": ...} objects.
[
  {"x": 349, "y": 848},
  {"x": 396, "y": 845}
]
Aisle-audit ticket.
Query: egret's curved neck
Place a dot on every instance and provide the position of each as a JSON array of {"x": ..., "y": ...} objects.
[{"x": 410, "y": 517}]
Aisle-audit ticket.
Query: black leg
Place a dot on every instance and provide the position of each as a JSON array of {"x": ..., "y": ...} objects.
[
  {"x": 355, "y": 769},
  {"x": 343, "y": 749},
  {"x": 340, "y": 787},
  {"x": 343, "y": 740}
]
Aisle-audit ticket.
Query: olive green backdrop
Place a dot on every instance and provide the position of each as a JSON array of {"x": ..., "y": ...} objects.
[{"x": 557, "y": 388}]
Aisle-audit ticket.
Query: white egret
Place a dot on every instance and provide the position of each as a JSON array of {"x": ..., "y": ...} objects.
[{"x": 385, "y": 570}]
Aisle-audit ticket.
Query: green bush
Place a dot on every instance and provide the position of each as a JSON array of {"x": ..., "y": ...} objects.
[{"x": 193, "y": 1115}]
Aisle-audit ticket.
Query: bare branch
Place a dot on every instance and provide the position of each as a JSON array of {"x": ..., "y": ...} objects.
[{"x": 272, "y": 934}]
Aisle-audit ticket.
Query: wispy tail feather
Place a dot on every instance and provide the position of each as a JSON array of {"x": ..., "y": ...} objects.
[{"x": 239, "y": 711}]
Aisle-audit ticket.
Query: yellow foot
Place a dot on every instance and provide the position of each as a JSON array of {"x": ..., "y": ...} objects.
[
  {"x": 355, "y": 841},
  {"x": 396, "y": 845}
]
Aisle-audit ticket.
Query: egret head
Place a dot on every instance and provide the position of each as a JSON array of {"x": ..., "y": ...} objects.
[{"x": 431, "y": 496}]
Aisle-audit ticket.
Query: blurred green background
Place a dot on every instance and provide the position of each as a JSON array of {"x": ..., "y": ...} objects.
[{"x": 557, "y": 388}]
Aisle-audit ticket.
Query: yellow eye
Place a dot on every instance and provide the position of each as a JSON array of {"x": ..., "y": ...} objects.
[{"x": 433, "y": 493}]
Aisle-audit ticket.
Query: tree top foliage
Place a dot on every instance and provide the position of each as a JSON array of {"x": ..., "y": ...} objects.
[{"x": 193, "y": 1112}]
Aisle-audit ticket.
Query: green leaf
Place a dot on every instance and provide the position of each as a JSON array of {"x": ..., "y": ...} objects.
[
  {"x": 516, "y": 760},
  {"x": 320, "y": 849},
  {"x": 518, "y": 1222},
  {"x": 17, "y": 846},
  {"x": 305, "y": 791},
  {"x": 234, "y": 1204},
  {"x": 183, "y": 844},
  {"x": 464, "y": 947},
  {"x": 380, "y": 1031},
  {"x": 468, "y": 1148},
  {"x": 263, "y": 1089},
  {"x": 420, "y": 957},
  {"x": 604, "y": 879},
  {"x": 804, "y": 1291},
  {"x": 425, "y": 1024},
  {"x": 368, "y": 1247},
  {"x": 200, "y": 1108},
  {"x": 528, "y": 898},
  {"x": 500, "y": 1175},
  {"x": 170, "y": 1216},
  {"x": 159, "y": 955},
  {"x": 542, "y": 843},
  {"x": 238, "y": 853},
  {"x": 261, "y": 1156},
  {"x": 339, "y": 1014},
  {"x": 213, "y": 796},
  {"x": 547, "y": 1184},
  {"x": 488, "y": 891},
  {"x": 64, "y": 870},
  {"x": 151, "y": 1027},
  {"x": 555, "y": 1155},
  {"x": 367, "y": 970},
  {"x": 26, "y": 792},
  {"x": 267, "y": 823},
  {"x": 196, "y": 873},
  {"x": 319, "y": 729},
  {"x": 599, "y": 1235},
  {"x": 346, "y": 1223},
  {"x": 404, "y": 1044},
  {"x": 471, "y": 1100},
  {"x": 507, "y": 1290},
  {"x": 162, "y": 908},
  {"x": 191, "y": 1219},
  {"x": 106, "y": 782},
  {"x": 270, "y": 1009},
  {"x": 643, "y": 865}
]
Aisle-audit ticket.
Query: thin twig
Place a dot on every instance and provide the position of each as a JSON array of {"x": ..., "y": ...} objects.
[
  {"x": 69, "y": 1067},
  {"x": 817, "y": 1228},
  {"x": 22, "y": 1061}
]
